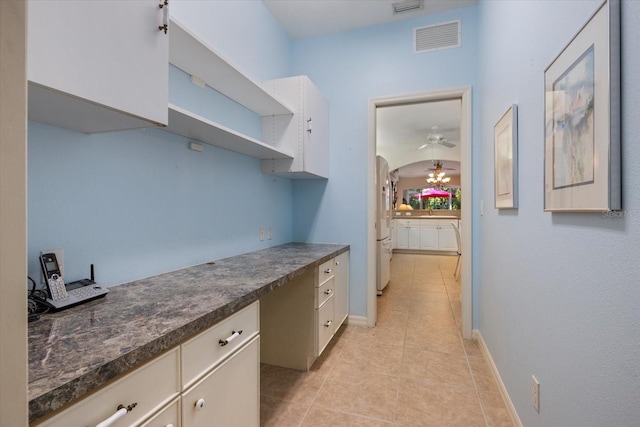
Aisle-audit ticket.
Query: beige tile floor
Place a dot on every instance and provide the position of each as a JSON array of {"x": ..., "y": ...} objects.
[{"x": 413, "y": 369}]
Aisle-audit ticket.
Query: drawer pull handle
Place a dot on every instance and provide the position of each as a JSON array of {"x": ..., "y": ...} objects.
[
  {"x": 121, "y": 412},
  {"x": 329, "y": 322},
  {"x": 328, "y": 270},
  {"x": 200, "y": 404},
  {"x": 328, "y": 291},
  {"x": 233, "y": 336}
]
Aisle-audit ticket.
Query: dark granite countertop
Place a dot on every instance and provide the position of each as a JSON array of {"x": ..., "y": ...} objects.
[{"x": 73, "y": 352}]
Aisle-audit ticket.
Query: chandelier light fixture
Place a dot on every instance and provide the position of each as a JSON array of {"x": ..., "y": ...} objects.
[{"x": 437, "y": 177}]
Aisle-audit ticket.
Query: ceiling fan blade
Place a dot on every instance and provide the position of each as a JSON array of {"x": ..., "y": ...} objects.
[{"x": 447, "y": 144}]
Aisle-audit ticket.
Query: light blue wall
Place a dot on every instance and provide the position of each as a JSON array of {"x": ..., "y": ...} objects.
[
  {"x": 559, "y": 292},
  {"x": 139, "y": 203},
  {"x": 242, "y": 31},
  {"x": 350, "y": 68}
]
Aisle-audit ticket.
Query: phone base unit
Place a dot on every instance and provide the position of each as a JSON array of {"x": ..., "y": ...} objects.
[{"x": 64, "y": 296}]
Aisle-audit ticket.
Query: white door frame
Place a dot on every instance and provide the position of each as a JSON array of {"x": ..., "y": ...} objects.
[{"x": 464, "y": 94}]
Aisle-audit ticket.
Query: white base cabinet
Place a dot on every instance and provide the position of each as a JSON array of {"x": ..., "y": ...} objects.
[
  {"x": 228, "y": 396},
  {"x": 408, "y": 234},
  {"x": 342, "y": 288},
  {"x": 202, "y": 382},
  {"x": 425, "y": 234},
  {"x": 147, "y": 390},
  {"x": 97, "y": 66},
  {"x": 429, "y": 236},
  {"x": 298, "y": 319},
  {"x": 447, "y": 237},
  {"x": 221, "y": 373}
]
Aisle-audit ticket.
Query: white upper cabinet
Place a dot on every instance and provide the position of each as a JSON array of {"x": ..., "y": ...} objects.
[
  {"x": 305, "y": 134},
  {"x": 97, "y": 66}
]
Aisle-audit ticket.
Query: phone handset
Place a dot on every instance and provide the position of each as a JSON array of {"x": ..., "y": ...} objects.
[{"x": 51, "y": 271}]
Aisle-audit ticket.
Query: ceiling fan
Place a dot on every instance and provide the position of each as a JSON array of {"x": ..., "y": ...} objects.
[{"x": 436, "y": 138}]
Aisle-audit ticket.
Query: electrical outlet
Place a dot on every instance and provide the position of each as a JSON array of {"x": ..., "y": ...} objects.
[
  {"x": 261, "y": 233},
  {"x": 269, "y": 234},
  {"x": 535, "y": 393}
]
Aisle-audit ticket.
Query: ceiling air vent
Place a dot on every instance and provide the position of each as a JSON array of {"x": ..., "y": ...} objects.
[
  {"x": 436, "y": 37},
  {"x": 406, "y": 6}
]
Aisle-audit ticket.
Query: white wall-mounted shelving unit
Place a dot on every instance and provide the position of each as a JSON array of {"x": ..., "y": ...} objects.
[
  {"x": 195, "y": 57},
  {"x": 192, "y": 126}
]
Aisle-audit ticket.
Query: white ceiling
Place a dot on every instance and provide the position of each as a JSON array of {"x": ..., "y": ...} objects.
[
  {"x": 310, "y": 18},
  {"x": 403, "y": 131}
]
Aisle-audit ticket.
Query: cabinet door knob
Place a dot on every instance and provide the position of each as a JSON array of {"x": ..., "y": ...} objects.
[
  {"x": 329, "y": 322},
  {"x": 328, "y": 291},
  {"x": 328, "y": 270},
  {"x": 200, "y": 404}
]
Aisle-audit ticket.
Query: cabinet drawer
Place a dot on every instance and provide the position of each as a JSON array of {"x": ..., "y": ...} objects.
[
  {"x": 229, "y": 395},
  {"x": 326, "y": 324},
  {"x": 169, "y": 416},
  {"x": 150, "y": 387},
  {"x": 204, "y": 351},
  {"x": 325, "y": 291},
  {"x": 326, "y": 271}
]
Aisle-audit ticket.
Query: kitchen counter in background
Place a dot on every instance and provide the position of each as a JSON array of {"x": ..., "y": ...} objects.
[
  {"x": 75, "y": 351},
  {"x": 426, "y": 214}
]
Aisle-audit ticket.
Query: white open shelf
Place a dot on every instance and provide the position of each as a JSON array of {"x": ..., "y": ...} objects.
[
  {"x": 193, "y": 56},
  {"x": 192, "y": 126}
]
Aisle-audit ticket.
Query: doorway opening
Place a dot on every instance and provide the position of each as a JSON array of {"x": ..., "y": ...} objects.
[{"x": 463, "y": 96}]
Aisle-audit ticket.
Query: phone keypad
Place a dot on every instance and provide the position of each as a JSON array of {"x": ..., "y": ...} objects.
[
  {"x": 86, "y": 292},
  {"x": 57, "y": 288}
]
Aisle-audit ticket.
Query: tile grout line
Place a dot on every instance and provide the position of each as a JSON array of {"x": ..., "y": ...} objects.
[
  {"x": 313, "y": 401},
  {"x": 466, "y": 356}
]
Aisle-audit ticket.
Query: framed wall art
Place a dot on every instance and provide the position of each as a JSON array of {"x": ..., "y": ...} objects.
[
  {"x": 505, "y": 140},
  {"x": 582, "y": 119}
]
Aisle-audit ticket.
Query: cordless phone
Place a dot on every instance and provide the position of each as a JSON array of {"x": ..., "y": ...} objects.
[
  {"x": 67, "y": 295},
  {"x": 53, "y": 277}
]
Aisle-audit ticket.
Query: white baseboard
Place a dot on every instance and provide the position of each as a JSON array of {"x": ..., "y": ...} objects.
[
  {"x": 357, "y": 321},
  {"x": 496, "y": 375}
]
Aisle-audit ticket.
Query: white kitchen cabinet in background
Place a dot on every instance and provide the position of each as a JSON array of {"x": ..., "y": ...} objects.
[
  {"x": 408, "y": 233},
  {"x": 97, "y": 66},
  {"x": 305, "y": 134},
  {"x": 429, "y": 232},
  {"x": 425, "y": 234},
  {"x": 447, "y": 236}
]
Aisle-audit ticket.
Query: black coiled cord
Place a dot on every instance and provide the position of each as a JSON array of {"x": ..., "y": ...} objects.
[{"x": 36, "y": 302}]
